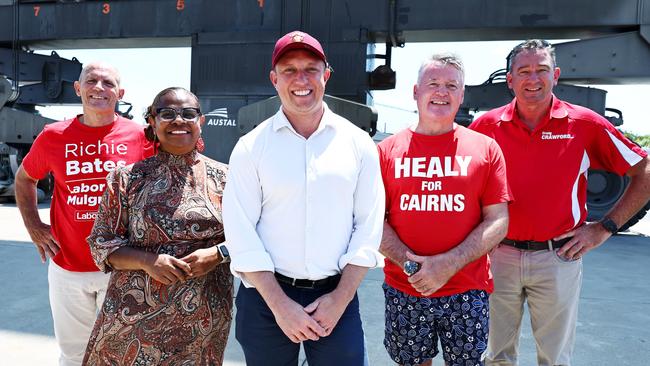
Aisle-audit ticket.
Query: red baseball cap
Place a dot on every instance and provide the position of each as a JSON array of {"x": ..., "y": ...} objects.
[{"x": 297, "y": 40}]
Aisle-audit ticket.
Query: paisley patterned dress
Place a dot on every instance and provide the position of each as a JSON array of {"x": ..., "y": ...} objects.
[{"x": 166, "y": 204}]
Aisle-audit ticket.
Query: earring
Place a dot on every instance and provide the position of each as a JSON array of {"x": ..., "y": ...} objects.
[
  {"x": 200, "y": 145},
  {"x": 150, "y": 135}
]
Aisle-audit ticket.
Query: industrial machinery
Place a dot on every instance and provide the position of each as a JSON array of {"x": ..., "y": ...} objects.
[
  {"x": 41, "y": 80},
  {"x": 231, "y": 41}
]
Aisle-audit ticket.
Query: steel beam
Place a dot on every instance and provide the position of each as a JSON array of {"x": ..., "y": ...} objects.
[
  {"x": 617, "y": 59},
  {"x": 414, "y": 20}
]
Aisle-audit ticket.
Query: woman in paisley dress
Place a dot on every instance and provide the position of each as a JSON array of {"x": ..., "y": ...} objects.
[{"x": 169, "y": 299}]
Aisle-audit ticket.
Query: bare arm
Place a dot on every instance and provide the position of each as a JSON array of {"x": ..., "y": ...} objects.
[
  {"x": 327, "y": 309},
  {"x": 436, "y": 270},
  {"x": 593, "y": 234},
  {"x": 162, "y": 267},
  {"x": 292, "y": 318},
  {"x": 392, "y": 247},
  {"x": 27, "y": 201}
]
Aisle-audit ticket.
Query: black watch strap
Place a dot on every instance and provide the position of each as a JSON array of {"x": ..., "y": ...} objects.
[{"x": 609, "y": 225}]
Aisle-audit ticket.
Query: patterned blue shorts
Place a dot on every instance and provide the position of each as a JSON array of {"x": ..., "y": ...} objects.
[{"x": 414, "y": 324}]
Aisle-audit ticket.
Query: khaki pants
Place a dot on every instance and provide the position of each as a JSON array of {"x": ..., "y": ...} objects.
[
  {"x": 551, "y": 287},
  {"x": 75, "y": 300}
]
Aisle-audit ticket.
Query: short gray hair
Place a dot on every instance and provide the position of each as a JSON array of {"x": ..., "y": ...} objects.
[{"x": 445, "y": 59}]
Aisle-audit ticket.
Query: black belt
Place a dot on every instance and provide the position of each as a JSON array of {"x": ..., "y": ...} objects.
[
  {"x": 535, "y": 245},
  {"x": 310, "y": 284}
]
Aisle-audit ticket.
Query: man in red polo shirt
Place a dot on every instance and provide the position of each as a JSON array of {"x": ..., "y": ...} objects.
[{"x": 549, "y": 145}]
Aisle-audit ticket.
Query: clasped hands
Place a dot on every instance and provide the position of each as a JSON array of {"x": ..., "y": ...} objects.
[
  {"x": 167, "y": 269},
  {"x": 313, "y": 321}
]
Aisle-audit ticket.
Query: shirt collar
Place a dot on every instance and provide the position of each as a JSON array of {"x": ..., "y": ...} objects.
[
  {"x": 280, "y": 120},
  {"x": 557, "y": 111}
]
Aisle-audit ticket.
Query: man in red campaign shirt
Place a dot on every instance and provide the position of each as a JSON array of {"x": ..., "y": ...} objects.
[
  {"x": 549, "y": 145},
  {"x": 446, "y": 207},
  {"x": 79, "y": 152}
]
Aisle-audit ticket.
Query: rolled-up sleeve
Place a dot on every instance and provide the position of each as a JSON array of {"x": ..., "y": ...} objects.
[
  {"x": 242, "y": 206},
  {"x": 110, "y": 231},
  {"x": 368, "y": 214}
]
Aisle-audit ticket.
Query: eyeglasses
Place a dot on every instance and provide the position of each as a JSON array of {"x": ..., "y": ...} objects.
[{"x": 170, "y": 114}]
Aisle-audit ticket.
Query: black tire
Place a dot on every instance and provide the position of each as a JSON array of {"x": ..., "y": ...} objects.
[{"x": 604, "y": 189}]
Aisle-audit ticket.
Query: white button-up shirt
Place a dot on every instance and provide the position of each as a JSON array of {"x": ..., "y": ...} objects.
[{"x": 304, "y": 208}]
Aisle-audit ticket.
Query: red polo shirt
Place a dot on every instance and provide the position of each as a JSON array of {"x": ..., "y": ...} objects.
[{"x": 547, "y": 167}]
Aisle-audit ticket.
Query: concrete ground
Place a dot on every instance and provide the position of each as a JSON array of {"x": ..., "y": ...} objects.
[{"x": 613, "y": 326}]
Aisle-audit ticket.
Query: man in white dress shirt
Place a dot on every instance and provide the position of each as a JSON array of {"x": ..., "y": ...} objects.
[{"x": 303, "y": 213}]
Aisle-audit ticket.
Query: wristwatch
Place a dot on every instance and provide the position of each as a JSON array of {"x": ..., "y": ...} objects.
[
  {"x": 609, "y": 225},
  {"x": 223, "y": 251},
  {"x": 411, "y": 268}
]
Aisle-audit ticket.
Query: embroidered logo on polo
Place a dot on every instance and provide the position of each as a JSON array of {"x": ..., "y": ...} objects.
[{"x": 551, "y": 136}]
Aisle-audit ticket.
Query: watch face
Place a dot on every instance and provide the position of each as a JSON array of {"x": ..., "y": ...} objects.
[
  {"x": 411, "y": 268},
  {"x": 225, "y": 255}
]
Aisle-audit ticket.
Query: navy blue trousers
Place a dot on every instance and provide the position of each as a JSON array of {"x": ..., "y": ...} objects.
[{"x": 265, "y": 344}]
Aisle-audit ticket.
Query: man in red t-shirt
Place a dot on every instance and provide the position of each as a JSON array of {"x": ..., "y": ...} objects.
[
  {"x": 79, "y": 153},
  {"x": 446, "y": 207},
  {"x": 549, "y": 145}
]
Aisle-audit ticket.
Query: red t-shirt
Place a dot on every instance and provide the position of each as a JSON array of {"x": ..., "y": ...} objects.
[
  {"x": 80, "y": 157},
  {"x": 436, "y": 187},
  {"x": 547, "y": 167}
]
